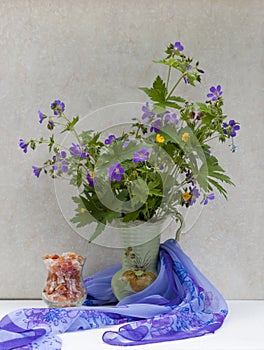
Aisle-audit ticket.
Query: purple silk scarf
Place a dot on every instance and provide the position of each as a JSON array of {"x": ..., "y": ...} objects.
[{"x": 181, "y": 303}]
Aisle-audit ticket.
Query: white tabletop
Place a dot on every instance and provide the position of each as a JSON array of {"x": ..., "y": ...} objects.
[{"x": 243, "y": 329}]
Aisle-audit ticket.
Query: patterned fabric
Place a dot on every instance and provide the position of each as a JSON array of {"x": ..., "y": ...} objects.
[{"x": 180, "y": 304}]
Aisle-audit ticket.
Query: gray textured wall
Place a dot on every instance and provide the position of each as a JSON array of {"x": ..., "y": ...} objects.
[{"x": 95, "y": 53}]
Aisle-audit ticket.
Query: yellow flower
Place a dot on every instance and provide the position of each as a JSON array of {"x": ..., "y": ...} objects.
[
  {"x": 83, "y": 210},
  {"x": 186, "y": 196},
  {"x": 185, "y": 137},
  {"x": 160, "y": 138}
]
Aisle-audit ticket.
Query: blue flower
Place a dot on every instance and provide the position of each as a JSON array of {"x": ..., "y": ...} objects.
[
  {"x": 41, "y": 117},
  {"x": 178, "y": 46},
  {"x": 50, "y": 125},
  {"x": 58, "y": 107},
  {"x": 126, "y": 143},
  {"x": 110, "y": 139},
  {"x": 155, "y": 126},
  {"x": 77, "y": 151},
  {"x": 60, "y": 163},
  {"x": 189, "y": 177},
  {"x": 185, "y": 78},
  {"x": 141, "y": 155},
  {"x": 208, "y": 197},
  {"x": 171, "y": 118},
  {"x": 215, "y": 92},
  {"x": 232, "y": 126},
  {"x": 195, "y": 194},
  {"x": 23, "y": 145},
  {"x": 115, "y": 172},
  {"x": 90, "y": 179},
  {"x": 147, "y": 113},
  {"x": 36, "y": 171}
]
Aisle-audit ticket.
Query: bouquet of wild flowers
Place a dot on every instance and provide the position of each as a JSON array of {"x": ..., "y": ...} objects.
[{"x": 163, "y": 162}]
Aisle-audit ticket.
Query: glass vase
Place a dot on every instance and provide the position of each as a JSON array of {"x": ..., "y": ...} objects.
[
  {"x": 140, "y": 251},
  {"x": 64, "y": 285}
]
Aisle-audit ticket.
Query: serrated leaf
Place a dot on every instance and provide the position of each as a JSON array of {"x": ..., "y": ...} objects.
[
  {"x": 158, "y": 91},
  {"x": 51, "y": 142},
  {"x": 169, "y": 62},
  {"x": 222, "y": 177},
  {"x": 177, "y": 99},
  {"x": 79, "y": 178},
  {"x": 70, "y": 125},
  {"x": 203, "y": 107},
  {"x": 99, "y": 229},
  {"x": 132, "y": 216},
  {"x": 82, "y": 216},
  {"x": 159, "y": 108},
  {"x": 173, "y": 105},
  {"x": 220, "y": 188}
]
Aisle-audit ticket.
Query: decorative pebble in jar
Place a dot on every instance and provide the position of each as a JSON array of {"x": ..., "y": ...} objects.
[{"x": 64, "y": 286}]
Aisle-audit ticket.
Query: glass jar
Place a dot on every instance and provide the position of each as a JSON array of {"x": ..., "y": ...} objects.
[{"x": 64, "y": 285}]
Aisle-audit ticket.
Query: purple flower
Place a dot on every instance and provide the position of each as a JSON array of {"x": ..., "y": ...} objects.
[
  {"x": 58, "y": 107},
  {"x": 90, "y": 179},
  {"x": 41, "y": 117},
  {"x": 215, "y": 92},
  {"x": 126, "y": 143},
  {"x": 50, "y": 125},
  {"x": 61, "y": 164},
  {"x": 115, "y": 172},
  {"x": 23, "y": 145},
  {"x": 77, "y": 151},
  {"x": 171, "y": 118},
  {"x": 147, "y": 112},
  {"x": 189, "y": 177},
  {"x": 36, "y": 171},
  {"x": 155, "y": 126},
  {"x": 195, "y": 194},
  {"x": 186, "y": 80},
  {"x": 110, "y": 139},
  {"x": 63, "y": 154},
  {"x": 208, "y": 197},
  {"x": 141, "y": 155},
  {"x": 232, "y": 126},
  {"x": 178, "y": 46}
]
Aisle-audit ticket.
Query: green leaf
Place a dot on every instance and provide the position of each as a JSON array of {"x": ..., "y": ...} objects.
[
  {"x": 222, "y": 177},
  {"x": 70, "y": 125},
  {"x": 139, "y": 191},
  {"x": 204, "y": 107},
  {"x": 132, "y": 216},
  {"x": 158, "y": 91},
  {"x": 99, "y": 229},
  {"x": 51, "y": 142},
  {"x": 86, "y": 136},
  {"x": 220, "y": 188},
  {"x": 82, "y": 216},
  {"x": 173, "y": 105},
  {"x": 169, "y": 62},
  {"x": 177, "y": 99},
  {"x": 210, "y": 171},
  {"x": 79, "y": 177},
  {"x": 32, "y": 144}
]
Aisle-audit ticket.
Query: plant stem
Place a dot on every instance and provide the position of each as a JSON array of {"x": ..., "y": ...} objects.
[
  {"x": 212, "y": 138},
  {"x": 168, "y": 78},
  {"x": 178, "y": 232},
  {"x": 73, "y": 129},
  {"x": 176, "y": 84}
]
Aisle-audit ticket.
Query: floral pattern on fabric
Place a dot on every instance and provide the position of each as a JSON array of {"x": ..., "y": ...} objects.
[{"x": 181, "y": 303}]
